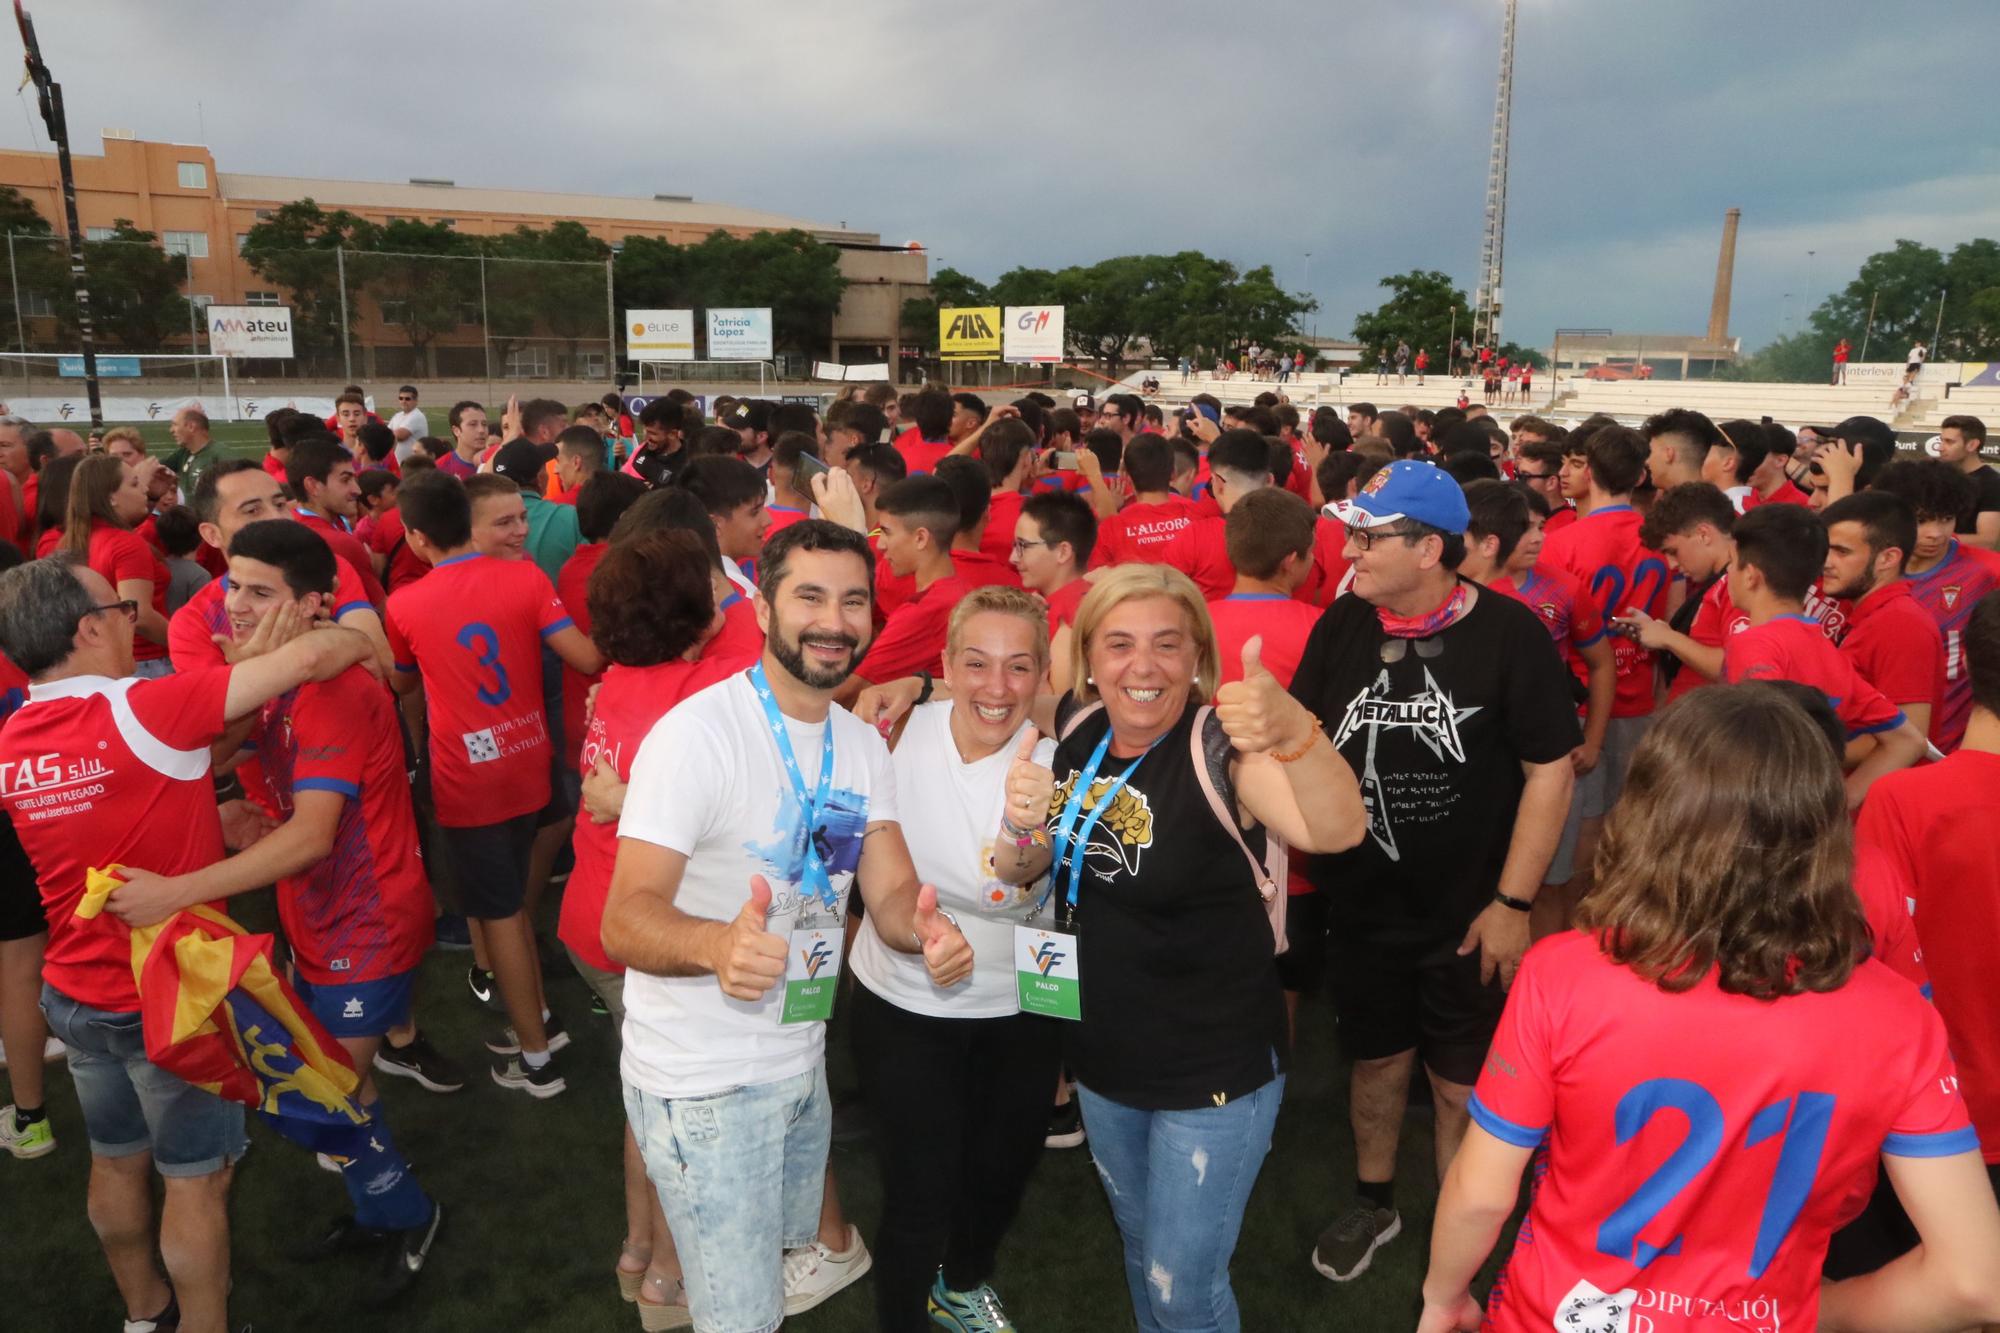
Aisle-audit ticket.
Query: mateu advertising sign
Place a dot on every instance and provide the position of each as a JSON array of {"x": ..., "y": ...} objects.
[
  {"x": 739, "y": 333},
  {"x": 659, "y": 335},
  {"x": 250, "y": 330}
]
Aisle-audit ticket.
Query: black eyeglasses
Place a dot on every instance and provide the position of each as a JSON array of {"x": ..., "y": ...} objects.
[
  {"x": 128, "y": 606},
  {"x": 1519, "y": 475},
  {"x": 1365, "y": 538}
]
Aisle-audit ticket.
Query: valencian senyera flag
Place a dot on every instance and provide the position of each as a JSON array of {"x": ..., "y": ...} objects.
[{"x": 217, "y": 1014}]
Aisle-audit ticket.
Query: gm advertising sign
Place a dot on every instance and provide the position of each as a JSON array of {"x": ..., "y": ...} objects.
[
  {"x": 1032, "y": 333},
  {"x": 250, "y": 330},
  {"x": 740, "y": 333}
]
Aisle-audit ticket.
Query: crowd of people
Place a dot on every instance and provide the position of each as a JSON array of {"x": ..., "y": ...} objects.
[{"x": 1623, "y": 787}]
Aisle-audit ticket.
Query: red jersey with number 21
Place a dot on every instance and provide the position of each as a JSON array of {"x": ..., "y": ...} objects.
[
  {"x": 1702, "y": 1146},
  {"x": 1602, "y": 549},
  {"x": 475, "y": 627}
]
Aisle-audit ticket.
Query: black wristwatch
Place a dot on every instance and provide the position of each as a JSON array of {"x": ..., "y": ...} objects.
[
  {"x": 1519, "y": 905},
  {"x": 924, "y": 695}
]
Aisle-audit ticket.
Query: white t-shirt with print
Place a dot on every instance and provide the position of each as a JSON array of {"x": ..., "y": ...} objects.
[
  {"x": 413, "y": 421},
  {"x": 707, "y": 783},
  {"x": 951, "y": 810}
]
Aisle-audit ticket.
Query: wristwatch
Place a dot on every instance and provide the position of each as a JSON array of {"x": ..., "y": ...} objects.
[{"x": 1518, "y": 904}]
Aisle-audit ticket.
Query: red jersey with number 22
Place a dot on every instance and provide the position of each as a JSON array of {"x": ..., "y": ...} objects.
[
  {"x": 1602, "y": 549},
  {"x": 475, "y": 627},
  {"x": 1702, "y": 1146}
]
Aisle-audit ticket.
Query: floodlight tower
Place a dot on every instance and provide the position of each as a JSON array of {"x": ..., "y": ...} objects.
[{"x": 1486, "y": 303}]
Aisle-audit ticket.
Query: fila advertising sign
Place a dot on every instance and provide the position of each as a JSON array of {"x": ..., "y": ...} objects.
[
  {"x": 740, "y": 334},
  {"x": 969, "y": 333},
  {"x": 1032, "y": 333},
  {"x": 659, "y": 335},
  {"x": 250, "y": 330}
]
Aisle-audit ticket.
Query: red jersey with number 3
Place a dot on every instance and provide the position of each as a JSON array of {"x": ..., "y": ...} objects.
[
  {"x": 1702, "y": 1146},
  {"x": 474, "y": 628},
  {"x": 1602, "y": 549}
]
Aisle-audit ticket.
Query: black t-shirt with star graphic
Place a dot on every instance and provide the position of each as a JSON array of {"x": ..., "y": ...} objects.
[{"x": 1436, "y": 730}]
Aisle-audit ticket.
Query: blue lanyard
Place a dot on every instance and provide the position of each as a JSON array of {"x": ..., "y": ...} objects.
[
  {"x": 813, "y": 878},
  {"x": 1072, "y": 851}
]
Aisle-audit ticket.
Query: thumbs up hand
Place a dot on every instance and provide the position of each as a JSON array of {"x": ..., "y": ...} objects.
[
  {"x": 1029, "y": 786},
  {"x": 947, "y": 955},
  {"x": 750, "y": 959},
  {"x": 1257, "y": 713}
]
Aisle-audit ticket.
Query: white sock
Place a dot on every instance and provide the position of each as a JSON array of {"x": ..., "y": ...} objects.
[
  {"x": 545, "y": 1015},
  {"x": 534, "y": 1059}
]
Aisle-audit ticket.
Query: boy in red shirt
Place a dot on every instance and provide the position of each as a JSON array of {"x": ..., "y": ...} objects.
[
  {"x": 1690, "y": 524},
  {"x": 1160, "y": 527},
  {"x": 919, "y": 517},
  {"x": 1052, "y": 544},
  {"x": 470, "y": 635},
  {"x": 1935, "y": 825},
  {"x": 1007, "y": 447},
  {"x": 929, "y": 438},
  {"x": 1780, "y": 550},
  {"x": 1892, "y": 641},
  {"x": 321, "y": 475},
  {"x": 970, "y": 483}
]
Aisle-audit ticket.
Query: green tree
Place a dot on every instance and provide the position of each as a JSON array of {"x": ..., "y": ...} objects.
[
  {"x": 424, "y": 279},
  {"x": 1901, "y": 285},
  {"x": 136, "y": 297},
  {"x": 1424, "y": 309},
  {"x": 41, "y": 260},
  {"x": 294, "y": 250},
  {"x": 795, "y": 274},
  {"x": 546, "y": 279},
  {"x": 1972, "y": 301},
  {"x": 950, "y": 289}
]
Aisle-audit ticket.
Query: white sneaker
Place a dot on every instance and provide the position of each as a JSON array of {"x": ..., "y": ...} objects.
[{"x": 814, "y": 1273}]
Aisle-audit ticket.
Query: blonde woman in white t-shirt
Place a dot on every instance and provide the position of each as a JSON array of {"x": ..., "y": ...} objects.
[{"x": 958, "y": 1079}]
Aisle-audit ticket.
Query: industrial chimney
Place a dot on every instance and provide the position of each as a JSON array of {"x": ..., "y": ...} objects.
[{"x": 1725, "y": 274}]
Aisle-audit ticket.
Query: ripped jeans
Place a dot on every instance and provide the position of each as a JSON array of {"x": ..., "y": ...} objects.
[{"x": 1179, "y": 1181}]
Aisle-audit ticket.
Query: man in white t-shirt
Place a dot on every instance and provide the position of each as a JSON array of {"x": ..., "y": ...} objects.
[
  {"x": 737, "y": 848},
  {"x": 409, "y": 424}
]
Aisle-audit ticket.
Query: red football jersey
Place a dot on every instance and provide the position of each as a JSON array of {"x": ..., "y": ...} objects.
[
  {"x": 1284, "y": 622},
  {"x": 573, "y": 589},
  {"x": 1934, "y": 824},
  {"x": 191, "y": 633},
  {"x": 914, "y": 638},
  {"x": 475, "y": 629},
  {"x": 1556, "y": 596},
  {"x": 1949, "y": 590},
  {"x": 919, "y": 454},
  {"x": 389, "y": 540},
  {"x": 364, "y": 912},
  {"x": 1003, "y": 511},
  {"x": 1064, "y": 601},
  {"x": 99, "y": 772},
  {"x": 978, "y": 569},
  {"x": 348, "y": 547},
  {"x": 1702, "y": 1146},
  {"x": 1897, "y": 648},
  {"x": 1790, "y": 647},
  {"x": 1602, "y": 549},
  {"x": 1716, "y": 620},
  {"x": 1786, "y": 494},
  {"x": 741, "y": 635},
  {"x": 782, "y": 517},
  {"x": 1329, "y": 562},
  {"x": 1168, "y": 533},
  {"x": 118, "y": 553},
  {"x": 1561, "y": 517}
]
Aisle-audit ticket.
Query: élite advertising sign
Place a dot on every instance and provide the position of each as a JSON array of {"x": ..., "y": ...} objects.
[
  {"x": 1032, "y": 333},
  {"x": 250, "y": 330},
  {"x": 740, "y": 333},
  {"x": 659, "y": 335}
]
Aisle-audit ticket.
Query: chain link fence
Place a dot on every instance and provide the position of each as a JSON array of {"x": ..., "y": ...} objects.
[{"x": 357, "y": 316}]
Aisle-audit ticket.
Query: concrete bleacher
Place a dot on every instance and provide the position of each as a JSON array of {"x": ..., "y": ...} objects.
[
  {"x": 1312, "y": 389},
  {"x": 1982, "y": 401},
  {"x": 1632, "y": 401}
]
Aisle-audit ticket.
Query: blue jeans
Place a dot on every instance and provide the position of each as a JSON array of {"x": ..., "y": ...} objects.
[
  {"x": 740, "y": 1175},
  {"x": 1179, "y": 1181},
  {"x": 131, "y": 1105}
]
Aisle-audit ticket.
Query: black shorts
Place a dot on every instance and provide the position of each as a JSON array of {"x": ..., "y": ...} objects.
[
  {"x": 1303, "y": 962},
  {"x": 490, "y": 863},
  {"x": 565, "y": 791},
  {"x": 20, "y": 898},
  {"x": 1394, "y": 993}
]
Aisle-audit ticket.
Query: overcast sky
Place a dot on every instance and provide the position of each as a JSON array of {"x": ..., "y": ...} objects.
[{"x": 1049, "y": 132}]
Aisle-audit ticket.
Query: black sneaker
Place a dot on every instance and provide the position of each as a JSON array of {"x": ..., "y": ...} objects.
[
  {"x": 1346, "y": 1248},
  {"x": 598, "y": 1006},
  {"x": 541, "y": 1084},
  {"x": 1065, "y": 1126},
  {"x": 480, "y": 982},
  {"x": 452, "y": 932},
  {"x": 404, "y": 1254},
  {"x": 507, "y": 1043},
  {"x": 421, "y": 1061},
  {"x": 343, "y": 1235},
  {"x": 166, "y": 1321}
]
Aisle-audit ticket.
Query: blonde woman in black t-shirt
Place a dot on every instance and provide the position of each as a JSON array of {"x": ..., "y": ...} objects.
[{"x": 1179, "y": 1051}]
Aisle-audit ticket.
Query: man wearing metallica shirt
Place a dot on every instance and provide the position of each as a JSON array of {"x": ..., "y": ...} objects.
[{"x": 1455, "y": 711}]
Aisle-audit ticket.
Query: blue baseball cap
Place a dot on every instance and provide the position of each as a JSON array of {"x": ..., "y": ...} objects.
[{"x": 1407, "y": 489}]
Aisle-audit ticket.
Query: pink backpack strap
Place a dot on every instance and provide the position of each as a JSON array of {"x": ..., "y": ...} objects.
[
  {"x": 1268, "y": 875},
  {"x": 1077, "y": 718}
]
